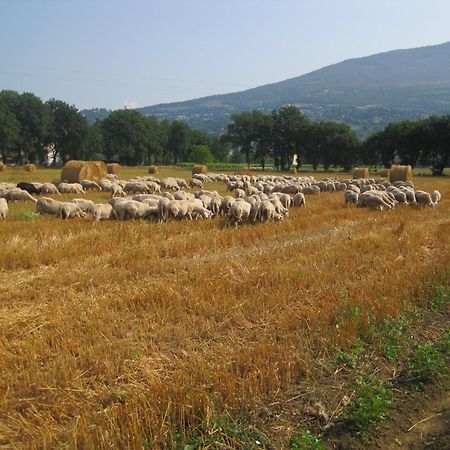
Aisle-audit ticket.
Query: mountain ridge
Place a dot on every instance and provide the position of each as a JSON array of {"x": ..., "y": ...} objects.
[{"x": 366, "y": 92}]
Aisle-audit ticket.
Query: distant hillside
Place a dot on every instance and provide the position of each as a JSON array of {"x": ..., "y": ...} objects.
[{"x": 367, "y": 93}]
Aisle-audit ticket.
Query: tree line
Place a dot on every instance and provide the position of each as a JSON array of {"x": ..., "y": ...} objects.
[
  {"x": 275, "y": 137},
  {"x": 31, "y": 130}
]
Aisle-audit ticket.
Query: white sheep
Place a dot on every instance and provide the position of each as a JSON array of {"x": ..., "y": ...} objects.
[{"x": 3, "y": 209}]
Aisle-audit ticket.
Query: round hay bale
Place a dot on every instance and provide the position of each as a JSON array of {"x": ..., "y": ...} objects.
[
  {"x": 114, "y": 169},
  {"x": 293, "y": 170},
  {"x": 2, "y": 167},
  {"x": 30, "y": 168},
  {"x": 153, "y": 169},
  {"x": 199, "y": 169},
  {"x": 76, "y": 171},
  {"x": 400, "y": 173},
  {"x": 101, "y": 170},
  {"x": 384, "y": 173},
  {"x": 360, "y": 172}
]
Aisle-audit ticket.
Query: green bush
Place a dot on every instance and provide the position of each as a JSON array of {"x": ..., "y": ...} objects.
[
  {"x": 370, "y": 406},
  {"x": 305, "y": 440},
  {"x": 201, "y": 155}
]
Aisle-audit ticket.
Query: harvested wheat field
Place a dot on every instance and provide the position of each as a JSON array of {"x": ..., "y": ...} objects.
[{"x": 140, "y": 335}]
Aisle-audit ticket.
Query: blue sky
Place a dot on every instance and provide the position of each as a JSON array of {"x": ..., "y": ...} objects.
[{"x": 111, "y": 53}]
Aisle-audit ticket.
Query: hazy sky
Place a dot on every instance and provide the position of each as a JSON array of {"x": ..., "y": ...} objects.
[{"x": 111, "y": 53}]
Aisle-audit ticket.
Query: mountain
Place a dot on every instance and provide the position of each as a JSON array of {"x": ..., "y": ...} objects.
[{"x": 367, "y": 93}]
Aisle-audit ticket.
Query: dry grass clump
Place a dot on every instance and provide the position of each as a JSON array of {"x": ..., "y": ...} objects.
[
  {"x": 153, "y": 169},
  {"x": 114, "y": 169},
  {"x": 360, "y": 172},
  {"x": 30, "y": 168},
  {"x": 400, "y": 173},
  {"x": 123, "y": 335},
  {"x": 199, "y": 169},
  {"x": 76, "y": 171}
]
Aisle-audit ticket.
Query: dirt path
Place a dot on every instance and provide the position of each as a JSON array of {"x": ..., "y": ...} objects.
[{"x": 421, "y": 421}]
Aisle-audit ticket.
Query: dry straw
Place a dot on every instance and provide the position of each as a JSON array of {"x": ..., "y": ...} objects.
[
  {"x": 199, "y": 169},
  {"x": 383, "y": 173},
  {"x": 76, "y": 171},
  {"x": 153, "y": 169},
  {"x": 360, "y": 172},
  {"x": 400, "y": 173},
  {"x": 30, "y": 168},
  {"x": 114, "y": 169},
  {"x": 2, "y": 166}
]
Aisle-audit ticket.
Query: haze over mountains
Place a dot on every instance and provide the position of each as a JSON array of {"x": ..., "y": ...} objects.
[{"x": 367, "y": 93}]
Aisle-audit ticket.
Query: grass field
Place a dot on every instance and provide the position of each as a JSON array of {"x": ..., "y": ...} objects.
[{"x": 136, "y": 334}]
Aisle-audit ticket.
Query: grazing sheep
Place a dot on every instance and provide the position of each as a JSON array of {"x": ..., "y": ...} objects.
[
  {"x": 180, "y": 209},
  {"x": 239, "y": 212},
  {"x": 372, "y": 200},
  {"x": 194, "y": 183},
  {"x": 14, "y": 195},
  {"x": 117, "y": 190},
  {"x": 71, "y": 188},
  {"x": 48, "y": 189},
  {"x": 436, "y": 197},
  {"x": 89, "y": 185},
  {"x": 102, "y": 211},
  {"x": 182, "y": 183},
  {"x": 85, "y": 205},
  {"x": 268, "y": 212},
  {"x": 423, "y": 199},
  {"x": 29, "y": 187},
  {"x": 69, "y": 210},
  {"x": 135, "y": 187},
  {"x": 3, "y": 209},
  {"x": 47, "y": 205},
  {"x": 239, "y": 193},
  {"x": 286, "y": 200},
  {"x": 299, "y": 199},
  {"x": 350, "y": 197}
]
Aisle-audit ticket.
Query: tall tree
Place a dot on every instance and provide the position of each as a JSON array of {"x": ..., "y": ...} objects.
[
  {"x": 241, "y": 133},
  {"x": 67, "y": 130},
  {"x": 124, "y": 135},
  {"x": 179, "y": 141},
  {"x": 290, "y": 129}
]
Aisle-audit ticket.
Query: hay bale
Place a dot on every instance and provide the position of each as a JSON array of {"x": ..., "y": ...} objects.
[
  {"x": 2, "y": 166},
  {"x": 400, "y": 173},
  {"x": 360, "y": 172},
  {"x": 30, "y": 168},
  {"x": 384, "y": 173},
  {"x": 293, "y": 170},
  {"x": 114, "y": 169},
  {"x": 76, "y": 171},
  {"x": 153, "y": 169},
  {"x": 199, "y": 169}
]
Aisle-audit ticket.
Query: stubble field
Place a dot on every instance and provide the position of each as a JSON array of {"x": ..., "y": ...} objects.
[{"x": 134, "y": 334}]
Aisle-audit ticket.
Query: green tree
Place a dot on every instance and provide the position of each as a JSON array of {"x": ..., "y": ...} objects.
[
  {"x": 241, "y": 133},
  {"x": 262, "y": 135},
  {"x": 9, "y": 133},
  {"x": 437, "y": 147},
  {"x": 179, "y": 141},
  {"x": 201, "y": 154},
  {"x": 290, "y": 128},
  {"x": 33, "y": 117},
  {"x": 125, "y": 137},
  {"x": 93, "y": 144},
  {"x": 67, "y": 130}
]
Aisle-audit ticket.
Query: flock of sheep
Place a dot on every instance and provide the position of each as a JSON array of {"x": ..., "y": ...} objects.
[{"x": 262, "y": 198}]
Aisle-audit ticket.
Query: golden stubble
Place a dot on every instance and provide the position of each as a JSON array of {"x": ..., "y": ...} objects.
[{"x": 123, "y": 333}]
